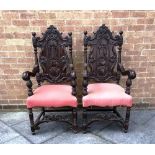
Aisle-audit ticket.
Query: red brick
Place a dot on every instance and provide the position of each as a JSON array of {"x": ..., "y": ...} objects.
[
  {"x": 4, "y": 54},
  {"x": 1, "y": 29},
  {"x": 5, "y": 22},
  {"x": 11, "y": 71},
  {"x": 120, "y": 14},
  {"x": 10, "y": 60},
  {"x": 73, "y": 22},
  {"x": 102, "y": 14},
  {"x": 145, "y": 21},
  {"x": 138, "y": 14},
  {"x": 22, "y": 35},
  {"x": 133, "y": 40},
  {"x": 27, "y": 15},
  {"x": 8, "y": 48},
  {"x": 151, "y": 14},
  {"x": 25, "y": 60},
  {"x": 10, "y": 15},
  {"x": 20, "y": 22},
  {"x": 6, "y": 36},
  {"x": 152, "y": 46},
  {"x": 136, "y": 28},
  {"x": 119, "y": 28},
  {"x": 46, "y": 15},
  {"x": 150, "y": 27},
  {"x": 38, "y": 22}
]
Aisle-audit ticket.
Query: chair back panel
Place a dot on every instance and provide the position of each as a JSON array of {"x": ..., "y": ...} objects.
[
  {"x": 54, "y": 56},
  {"x": 103, "y": 54}
]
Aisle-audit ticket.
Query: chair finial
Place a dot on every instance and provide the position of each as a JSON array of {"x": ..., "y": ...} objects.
[
  {"x": 85, "y": 32},
  {"x": 33, "y": 34},
  {"x": 121, "y": 32}
]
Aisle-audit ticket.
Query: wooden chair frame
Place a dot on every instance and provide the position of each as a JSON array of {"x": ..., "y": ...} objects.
[
  {"x": 60, "y": 70},
  {"x": 95, "y": 70}
]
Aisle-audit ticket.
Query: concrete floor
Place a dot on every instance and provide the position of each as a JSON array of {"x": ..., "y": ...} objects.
[{"x": 14, "y": 129}]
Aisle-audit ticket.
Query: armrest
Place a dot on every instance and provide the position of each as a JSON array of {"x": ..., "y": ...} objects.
[
  {"x": 26, "y": 76},
  {"x": 131, "y": 75},
  {"x": 73, "y": 79},
  {"x": 85, "y": 80}
]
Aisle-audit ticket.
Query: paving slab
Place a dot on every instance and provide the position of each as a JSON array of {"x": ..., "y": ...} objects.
[
  {"x": 47, "y": 131},
  {"x": 80, "y": 138},
  {"x": 141, "y": 116},
  {"x": 18, "y": 140},
  {"x": 149, "y": 131},
  {"x": 114, "y": 133},
  {"x": 6, "y": 133},
  {"x": 12, "y": 118},
  {"x": 98, "y": 126},
  {"x": 15, "y": 129}
]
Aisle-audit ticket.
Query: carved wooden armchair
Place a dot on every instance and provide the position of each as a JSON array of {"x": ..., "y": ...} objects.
[
  {"x": 102, "y": 58},
  {"x": 53, "y": 64}
]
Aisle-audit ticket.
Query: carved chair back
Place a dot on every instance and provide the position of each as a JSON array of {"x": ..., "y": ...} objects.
[
  {"x": 102, "y": 54},
  {"x": 53, "y": 56}
]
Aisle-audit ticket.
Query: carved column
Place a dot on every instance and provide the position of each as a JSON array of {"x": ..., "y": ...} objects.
[
  {"x": 73, "y": 74},
  {"x": 85, "y": 76},
  {"x": 36, "y": 65},
  {"x": 119, "y": 53}
]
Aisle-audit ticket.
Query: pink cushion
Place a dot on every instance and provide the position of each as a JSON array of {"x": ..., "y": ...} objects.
[
  {"x": 106, "y": 95},
  {"x": 52, "y": 96}
]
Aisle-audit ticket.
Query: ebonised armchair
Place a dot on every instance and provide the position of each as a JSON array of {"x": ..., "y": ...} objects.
[
  {"x": 102, "y": 64},
  {"x": 53, "y": 64}
]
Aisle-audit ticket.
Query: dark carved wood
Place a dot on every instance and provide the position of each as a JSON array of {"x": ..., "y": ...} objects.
[
  {"x": 31, "y": 121},
  {"x": 26, "y": 76},
  {"x": 131, "y": 75},
  {"x": 104, "y": 116},
  {"x": 102, "y": 57},
  {"x": 54, "y": 59},
  {"x": 45, "y": 118},
  {"x": 53, "y": 63},
  {"x": 126, "y": 122},
  {"x": 102, "y": 63}
]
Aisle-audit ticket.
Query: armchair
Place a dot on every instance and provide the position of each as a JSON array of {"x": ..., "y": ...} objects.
[
  {"x": 102, "y": 64},
  {"x": 53, "y": 64}
]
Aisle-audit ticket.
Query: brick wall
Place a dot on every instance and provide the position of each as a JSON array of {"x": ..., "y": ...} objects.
[{"x": 16, "y": 53}]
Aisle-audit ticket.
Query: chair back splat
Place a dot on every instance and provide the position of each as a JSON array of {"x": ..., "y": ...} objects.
[
  {"x": 53, "y": 60},
  {"x": 103, "y": 55}
]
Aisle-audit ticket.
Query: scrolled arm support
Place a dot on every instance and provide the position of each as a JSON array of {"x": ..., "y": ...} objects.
[
  {"x": 26, "y": 76},
  {"x": 131, "y": 75}
]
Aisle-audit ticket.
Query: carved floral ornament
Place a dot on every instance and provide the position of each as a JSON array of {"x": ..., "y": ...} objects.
[
  {"x": 102, "y": 54},
  {"x": 54, "y": 56}
]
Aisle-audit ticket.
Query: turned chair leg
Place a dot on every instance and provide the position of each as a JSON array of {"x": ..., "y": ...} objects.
[
  {"x": 74, "y": 115},
  {"x": 43, "y": 110},
  {"x": 31, "y": 121},
  {"x": 84, "y": 120},
  {"x": 127, "y": 118}
]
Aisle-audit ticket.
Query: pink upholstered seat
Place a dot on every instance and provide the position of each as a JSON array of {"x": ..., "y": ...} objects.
[
  {"x": 106, "y": 95},
  {"x": 52, "y": 96}
]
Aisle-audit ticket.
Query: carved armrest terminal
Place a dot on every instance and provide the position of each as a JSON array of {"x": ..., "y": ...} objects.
[{"x": 131, "y": 75}]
